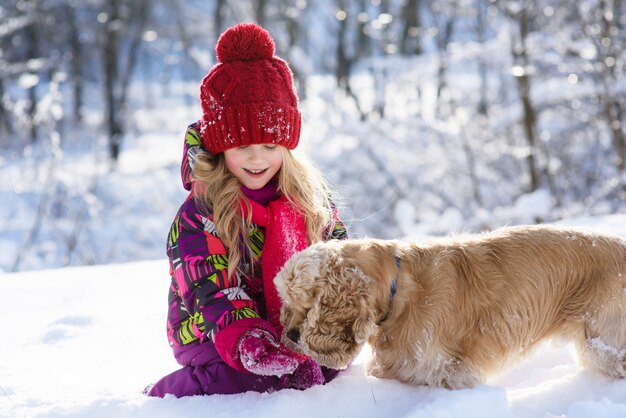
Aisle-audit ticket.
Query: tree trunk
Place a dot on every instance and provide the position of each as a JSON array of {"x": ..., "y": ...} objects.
[
  {"x": 612, "y": 108},
  {"x": 523, "y": 86},
  {"x": 117, "y": 78},
  {"x": 470, "y": 158},
  {"x": 410, "y": 40},
  {"x": 529, "y": 121},
  {"x": 138, "y": 17},
  {"x": 364, "y": 48},
  {"x": 218, "y": 18},
  {"x": 32, "y": 53},
  {"x": 344, "y": 64},
  {"x": 111, "y": 77},
  {"x": 481, "y": 12},
  {"x": 190, "y": 70},
  {"x": 76, "y": 63},
  {"x": 612, "y": 111},
  {"x": 260, "y": 12},
  {"x": 293, "y": 34},
  {"x": 342, "y": 70},
  {"x": 442, "y": 40},
  {"x": 5, "y": 121}
]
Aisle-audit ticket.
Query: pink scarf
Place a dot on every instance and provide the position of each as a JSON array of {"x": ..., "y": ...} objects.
[{"x": 285, "y": 235}]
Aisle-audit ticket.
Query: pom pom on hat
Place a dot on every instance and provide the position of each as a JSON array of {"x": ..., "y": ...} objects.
[
  {"x": 245, "y": 42},
  {"x": 248, "y": 97}
]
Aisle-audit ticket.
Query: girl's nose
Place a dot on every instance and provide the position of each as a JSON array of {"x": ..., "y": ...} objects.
[{"x": 256, "y": 153}]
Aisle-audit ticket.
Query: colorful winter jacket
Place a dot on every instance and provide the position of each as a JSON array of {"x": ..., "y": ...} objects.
[{"x": 203, "y": 300}]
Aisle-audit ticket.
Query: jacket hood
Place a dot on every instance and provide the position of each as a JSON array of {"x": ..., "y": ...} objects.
[{"x": 193, "y": 145}]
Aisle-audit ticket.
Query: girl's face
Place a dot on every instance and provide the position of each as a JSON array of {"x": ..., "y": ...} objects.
[{"x": 254, "y": 165}]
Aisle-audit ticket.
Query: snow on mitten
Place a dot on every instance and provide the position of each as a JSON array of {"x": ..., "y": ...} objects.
[{"x": 261, "y": 354}]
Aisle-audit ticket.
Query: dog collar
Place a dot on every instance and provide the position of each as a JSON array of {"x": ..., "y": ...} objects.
[{"x": 392, "y": 290}]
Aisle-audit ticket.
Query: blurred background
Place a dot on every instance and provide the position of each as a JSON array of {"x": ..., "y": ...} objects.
[{"x": 429, "y": 117}]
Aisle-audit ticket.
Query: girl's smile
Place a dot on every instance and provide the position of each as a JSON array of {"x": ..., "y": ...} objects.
[{"x": 255, "y": 172}]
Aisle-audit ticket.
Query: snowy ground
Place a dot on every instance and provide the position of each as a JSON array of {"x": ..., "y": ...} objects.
[{"x": 85, "y": 341}]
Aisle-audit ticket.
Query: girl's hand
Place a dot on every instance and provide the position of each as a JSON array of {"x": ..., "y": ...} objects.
[
  {"x": 308, "y": 374},
  {"x": 261, "y": 354}
]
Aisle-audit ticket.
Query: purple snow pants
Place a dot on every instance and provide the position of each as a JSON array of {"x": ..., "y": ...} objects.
[{"x": 205, "y": 373}]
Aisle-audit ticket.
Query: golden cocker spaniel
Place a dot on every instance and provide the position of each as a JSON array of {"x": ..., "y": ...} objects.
[{"x": 449, "y": 312}]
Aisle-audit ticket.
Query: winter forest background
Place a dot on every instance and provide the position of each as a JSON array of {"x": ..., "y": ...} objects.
[{"x": 429, "y": 117}]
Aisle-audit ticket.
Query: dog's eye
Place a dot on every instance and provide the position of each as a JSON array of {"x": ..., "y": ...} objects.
[
  {"x": 347, "y": 335},
  {"x": 287, "y": 314}
]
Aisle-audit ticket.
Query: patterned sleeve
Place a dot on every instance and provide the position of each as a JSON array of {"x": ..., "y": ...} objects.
[
  {"x": 337, "y": 230},
  {"x": 209, "y": 300}
]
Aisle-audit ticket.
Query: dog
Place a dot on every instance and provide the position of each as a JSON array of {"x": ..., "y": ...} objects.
[{"x": 450, "y": 312}]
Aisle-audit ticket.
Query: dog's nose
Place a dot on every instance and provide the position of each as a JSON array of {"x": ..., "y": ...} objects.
[{"x": 294, "y": 335}]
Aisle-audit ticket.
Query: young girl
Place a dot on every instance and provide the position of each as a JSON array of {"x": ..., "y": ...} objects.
[{"x": 252, "y": 205}]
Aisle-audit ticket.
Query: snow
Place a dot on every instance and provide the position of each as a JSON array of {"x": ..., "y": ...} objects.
[{"x": 85, "y": 341}]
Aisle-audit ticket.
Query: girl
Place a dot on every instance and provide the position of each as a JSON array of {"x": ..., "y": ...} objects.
[{"x": 252, "y": 205}]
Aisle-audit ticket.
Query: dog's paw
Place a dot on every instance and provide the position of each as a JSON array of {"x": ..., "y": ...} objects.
[{"x": 457, "y": 374}]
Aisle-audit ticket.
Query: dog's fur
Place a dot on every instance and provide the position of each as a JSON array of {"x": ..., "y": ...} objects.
[{"x": 464, "y": 306}]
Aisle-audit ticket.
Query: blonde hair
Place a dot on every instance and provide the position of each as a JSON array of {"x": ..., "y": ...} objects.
[{"x": 219, "y": 192}]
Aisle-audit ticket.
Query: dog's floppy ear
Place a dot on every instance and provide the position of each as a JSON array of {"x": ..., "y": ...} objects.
[
  {"x": 350, "y": 287},
  {"x": 363, "y": 328},
  {"x": 298, "y": 278},
  {"x": 364, "y": 323}
]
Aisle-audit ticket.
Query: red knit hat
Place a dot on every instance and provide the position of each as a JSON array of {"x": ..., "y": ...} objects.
[{"x": 248, "y": 96}]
